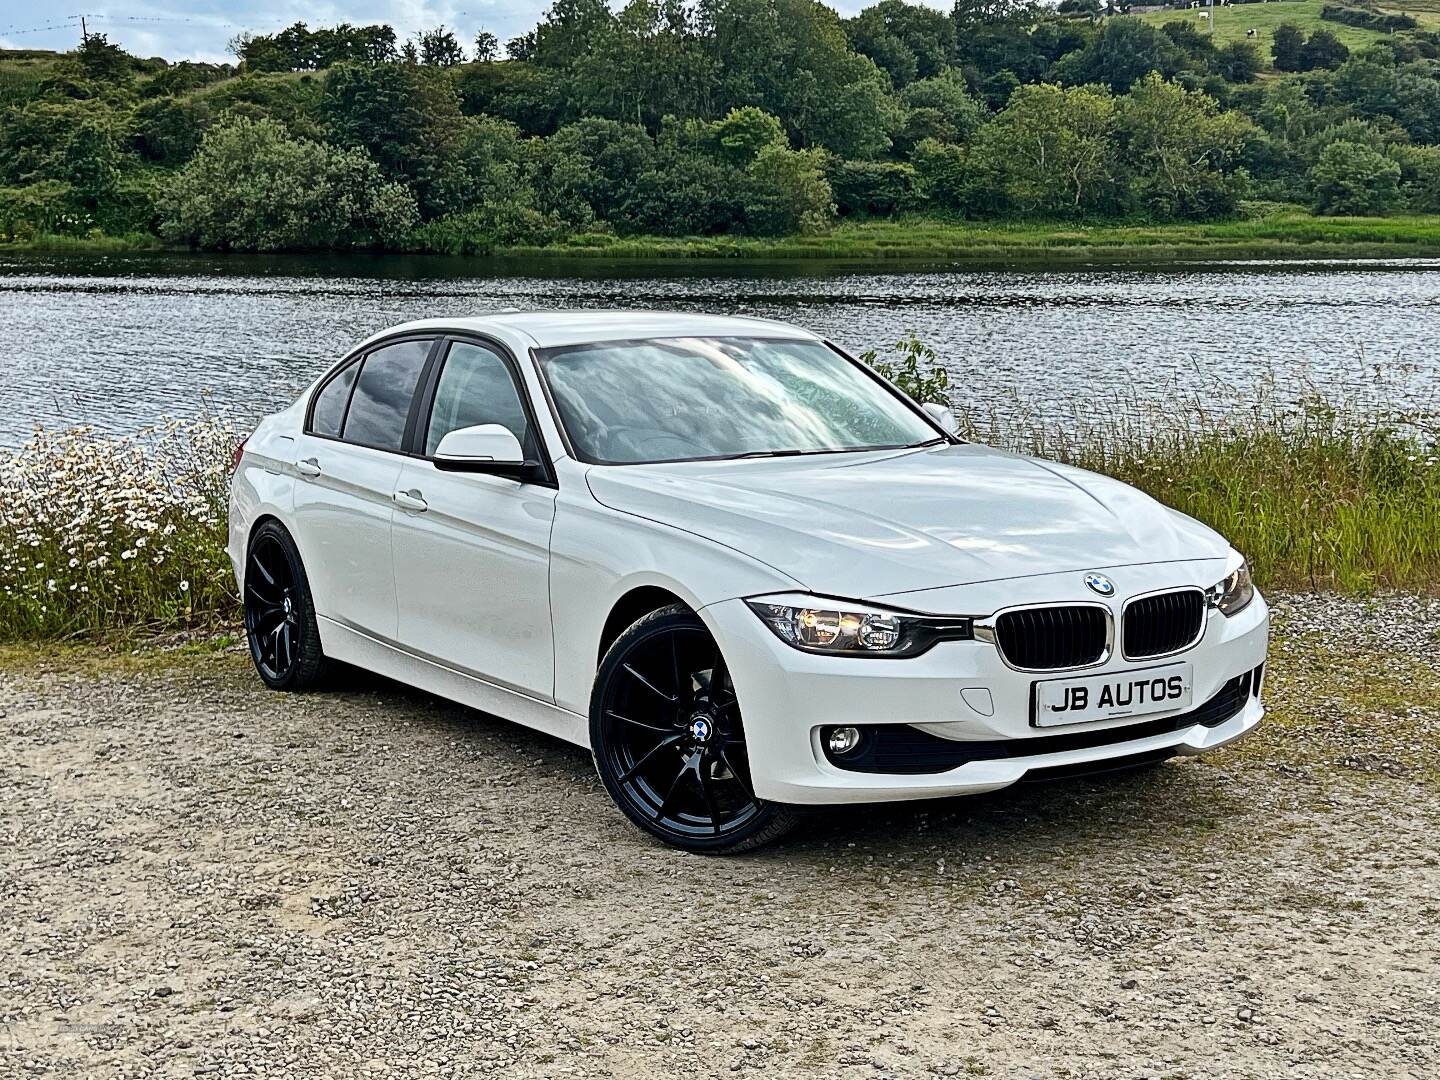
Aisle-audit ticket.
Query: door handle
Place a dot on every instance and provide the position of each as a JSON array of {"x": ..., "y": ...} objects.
[
  {"x": 308, "y": 466},
  {"x": 411, "y": 500}
]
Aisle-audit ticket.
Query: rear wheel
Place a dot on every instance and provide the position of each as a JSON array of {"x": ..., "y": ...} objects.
[
  {"x": 669, "y": 743},
  {"x": 280, "y": 622}
]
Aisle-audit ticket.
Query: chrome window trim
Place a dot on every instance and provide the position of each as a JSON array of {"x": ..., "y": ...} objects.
[
  {"x": 984, "y": 630},
  {"x": 1205, "y": 609}
]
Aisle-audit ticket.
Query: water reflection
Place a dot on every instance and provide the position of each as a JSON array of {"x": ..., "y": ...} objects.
[{"x": 119, "y": 340}]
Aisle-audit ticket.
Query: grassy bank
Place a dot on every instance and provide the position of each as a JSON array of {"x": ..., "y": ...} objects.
[
  {"x": 103, "y": 536},
  {"x": 1289, "y": 235},
  {"x": 1234, "y": 23}
]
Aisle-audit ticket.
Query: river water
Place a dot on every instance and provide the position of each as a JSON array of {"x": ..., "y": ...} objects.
[{"x": 120, "y": 341}]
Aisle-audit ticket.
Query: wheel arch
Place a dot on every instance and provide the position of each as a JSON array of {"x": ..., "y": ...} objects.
[{"x": 631, "y": 606}]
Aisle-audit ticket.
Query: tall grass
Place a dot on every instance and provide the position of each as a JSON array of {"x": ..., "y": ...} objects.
[{"x": 103, "y": 535}]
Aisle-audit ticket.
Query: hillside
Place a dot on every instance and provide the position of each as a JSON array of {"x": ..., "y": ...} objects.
[{"x": 1232, "y": 23}]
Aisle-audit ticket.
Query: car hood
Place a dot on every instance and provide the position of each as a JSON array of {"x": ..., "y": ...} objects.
[{"x": 870, "y": 524}]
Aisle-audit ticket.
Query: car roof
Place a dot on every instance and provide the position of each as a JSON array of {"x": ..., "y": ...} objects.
[{"x": 549, "y": 328}]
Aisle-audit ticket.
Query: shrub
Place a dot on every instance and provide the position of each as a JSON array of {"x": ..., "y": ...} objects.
[
  {"x": 786, "y": 192},
  {"x": 871, "y": 187},
  {"x": 1354, "y": 179},
  {"x": 252, "y": 187}
]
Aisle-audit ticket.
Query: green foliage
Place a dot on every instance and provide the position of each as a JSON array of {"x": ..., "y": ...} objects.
[
  {"x": 744, "y": 132},
  {"x": 1050, "y": 151},
  {"x": 1180, "y": 150},
  {"x": 786, "y": 191},
  {"x": 674, "y": 119},
  {"x": 941, "y": 107},
  {"x": 252, "y": 187},
  {"x": 915, "y": 368},
  {"x": 873, "y": 188},
  {"x": 1126, "y": 49},
  {"x": 406, "y": 118},
  {"x": 944, "y": 175},
  {"x": 1353, "y": 179},
  {"x": 1420, "y": 177},
  {"x": 907, "y": 41}
]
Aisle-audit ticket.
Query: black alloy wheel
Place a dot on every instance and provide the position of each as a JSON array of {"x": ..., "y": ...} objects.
[
  {"x": 668, "y": 741},
  {"x": 279, "y": 616}
]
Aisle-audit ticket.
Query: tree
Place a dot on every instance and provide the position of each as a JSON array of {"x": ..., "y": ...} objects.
[
  {"x": 1286, "y": 47},
  {"x": 102, "y": 61},
  {"x": 252, "y": 187},
  {"x": 786, "y": 192},
  {"x": 406, "y": 117},
  {"x": 1354, "y": 179},
  {"x": 440, "y": 48},
  {"x": 487, "y": 47},
  {"x": 1179, "y": 149},
  {"x": 907, "y": 41},
  {"x": 743, "y": 133},
  {"x": 1323, "y": 50},
  {"x": 1049, "y": 151},
  {"x": 1237, "y": 62},
  {"x": 1126, "y": 49},
  {"x": 588, "y": 169},
  {"x": 950, "y": 112}
]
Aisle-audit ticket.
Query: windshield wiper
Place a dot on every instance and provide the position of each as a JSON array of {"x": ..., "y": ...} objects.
[{"x": 777, "y": 453}]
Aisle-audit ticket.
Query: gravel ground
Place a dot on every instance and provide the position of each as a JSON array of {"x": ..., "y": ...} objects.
[{"x": 202, "y": 878}]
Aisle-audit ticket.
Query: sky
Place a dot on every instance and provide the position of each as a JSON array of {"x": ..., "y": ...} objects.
[{"x": 201, "y": 30}]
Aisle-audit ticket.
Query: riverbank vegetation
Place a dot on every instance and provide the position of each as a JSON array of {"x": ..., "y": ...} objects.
[
  {"x": 106, "y": 536},
  {"x": 667, "y": 128}
]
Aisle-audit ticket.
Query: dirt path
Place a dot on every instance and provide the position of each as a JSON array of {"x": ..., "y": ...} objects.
[{"x": 201, "y": 878}]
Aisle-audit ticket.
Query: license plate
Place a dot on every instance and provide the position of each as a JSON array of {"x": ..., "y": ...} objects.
[{"x": 1107, "y": 697}]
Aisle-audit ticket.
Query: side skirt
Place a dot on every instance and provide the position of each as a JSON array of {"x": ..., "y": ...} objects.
[{"x": 353, "y": 647}]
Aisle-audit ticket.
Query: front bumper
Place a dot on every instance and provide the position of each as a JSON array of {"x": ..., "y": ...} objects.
[{"x": 788, "y": 696}]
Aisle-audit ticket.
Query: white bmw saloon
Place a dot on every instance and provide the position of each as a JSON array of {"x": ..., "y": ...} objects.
[{"x": 742, "y": 568}]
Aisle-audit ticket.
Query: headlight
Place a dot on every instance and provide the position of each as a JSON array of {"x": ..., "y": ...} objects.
[
  {"x": 814, "y": 624},
  {"x": 1233, "y": 593}
]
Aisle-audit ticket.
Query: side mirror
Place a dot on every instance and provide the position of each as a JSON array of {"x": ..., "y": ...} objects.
[
  {"x": 483, "y": 448},
  {"x": 943, "y": 417}
]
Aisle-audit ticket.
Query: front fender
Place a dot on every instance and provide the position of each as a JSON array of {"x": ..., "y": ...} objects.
[{"x": 598, "y": 555}]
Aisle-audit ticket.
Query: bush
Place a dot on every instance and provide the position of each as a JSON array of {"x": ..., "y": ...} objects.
[
  {"x": 944, "y": 176},
  {"x": 1353, "y": 179},
  {"x": 483, "y": 230},
  {"x": 871, "y": 187},
  {"x": 252, "y": 187},
  {"x": 1367, "y": 18},
  {"x": 786, "y": 192}
]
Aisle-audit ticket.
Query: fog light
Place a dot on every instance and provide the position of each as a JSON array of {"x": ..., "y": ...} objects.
[{"x": 842, "y": 740}]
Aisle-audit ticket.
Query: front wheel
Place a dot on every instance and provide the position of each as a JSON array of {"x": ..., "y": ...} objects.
[{"x": 668, "y": 741}]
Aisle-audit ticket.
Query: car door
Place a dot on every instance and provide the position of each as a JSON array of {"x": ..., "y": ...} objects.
[
  {"x": 348, "y": 462},
  {"x": 471, "y": 549}
]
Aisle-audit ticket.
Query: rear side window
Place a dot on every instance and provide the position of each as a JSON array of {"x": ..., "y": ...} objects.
[
  {"x": 383, "y": 392},
  {"x": 476, "y": 388},
  {"x": 329, "y": 414}
]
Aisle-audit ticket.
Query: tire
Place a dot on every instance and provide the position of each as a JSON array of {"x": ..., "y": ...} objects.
[
  {"x": 668, "y": 743},
  {"x": 280, "y": 625}
]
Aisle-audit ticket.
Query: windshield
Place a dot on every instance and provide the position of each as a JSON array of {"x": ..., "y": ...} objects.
[{"x": 683, "y": 399}]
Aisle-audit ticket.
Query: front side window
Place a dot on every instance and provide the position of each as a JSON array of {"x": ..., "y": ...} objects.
[
  {"x": 380, "y": 404},
  {"x": 475, "y": 387},
  {"x": 683, "y": 399}
]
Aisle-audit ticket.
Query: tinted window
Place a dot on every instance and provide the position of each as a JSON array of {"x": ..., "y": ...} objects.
[
  {"x": 381, "y": 401},
  {"x": 475, "y": 387},
  {"x": 329, "y": 414}
]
